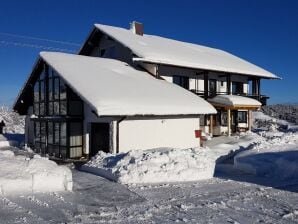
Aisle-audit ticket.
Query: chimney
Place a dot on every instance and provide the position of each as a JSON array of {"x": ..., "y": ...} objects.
[{"x": 137, "y": 28}]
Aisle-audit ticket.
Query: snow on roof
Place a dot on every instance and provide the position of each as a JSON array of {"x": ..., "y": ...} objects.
[
  {"x": 155, "y": 49},
  {"x": 112, "y": 87},
  {"x": 234, "y": 101}
]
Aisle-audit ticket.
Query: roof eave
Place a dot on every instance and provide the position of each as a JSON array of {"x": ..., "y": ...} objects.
[{"x": 139, "y": 59}]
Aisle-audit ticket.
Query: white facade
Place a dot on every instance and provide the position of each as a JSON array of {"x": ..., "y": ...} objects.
[
  {"x": 158, "y": 132},
  {"x": 144, "y": 132}
]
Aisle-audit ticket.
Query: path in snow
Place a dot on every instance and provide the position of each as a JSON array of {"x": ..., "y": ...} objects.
[{"x": 96, "y": 200}]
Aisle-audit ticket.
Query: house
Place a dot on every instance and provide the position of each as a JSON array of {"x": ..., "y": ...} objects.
[
  {"x": 77, "y": 105},
  {"x": 230, "y": 83}
]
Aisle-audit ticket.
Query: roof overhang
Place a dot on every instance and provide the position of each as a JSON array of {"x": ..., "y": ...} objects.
[
  {"x": 234, "y": 102},
  {"x": 201, "y": 68}
]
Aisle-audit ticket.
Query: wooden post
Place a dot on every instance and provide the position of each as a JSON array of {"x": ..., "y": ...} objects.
[
  {"x": 249, "y": 119},
  {"x": 211, "y": 125},
  {"x": 229, "y": 122}
]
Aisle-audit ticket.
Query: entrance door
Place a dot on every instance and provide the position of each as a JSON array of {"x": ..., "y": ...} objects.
[{"x": 100, "y": 138}]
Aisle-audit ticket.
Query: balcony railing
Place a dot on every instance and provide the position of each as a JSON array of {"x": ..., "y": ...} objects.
[{"x": 262, "y": 98}]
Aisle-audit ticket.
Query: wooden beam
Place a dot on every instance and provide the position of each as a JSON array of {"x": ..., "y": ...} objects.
[
  {"x": 211, "y": 125},
  {"x": 229, "y": 122},
  {"x": 249, "y": 119}
]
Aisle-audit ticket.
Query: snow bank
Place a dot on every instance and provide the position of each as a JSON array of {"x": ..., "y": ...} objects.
[
  {"x": 276, "y": 156},
  {"x": 5, "y": 142},
  {"x": 153, "y": 166},
  {"x": 19, "y": 174}
]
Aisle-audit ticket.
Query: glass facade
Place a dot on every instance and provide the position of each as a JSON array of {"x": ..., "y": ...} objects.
[{"x": 58, "y": 126}]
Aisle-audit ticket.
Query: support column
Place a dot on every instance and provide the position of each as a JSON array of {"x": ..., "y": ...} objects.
[
  {"x": 211, "y": 125},
  {"x": 249, "y": 120},
  {"x": 256, "y": 84},
  {"x": 229, "y": 122}
]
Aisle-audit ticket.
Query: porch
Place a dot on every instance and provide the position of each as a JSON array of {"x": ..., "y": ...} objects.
[{"x": 234, "y": 114}]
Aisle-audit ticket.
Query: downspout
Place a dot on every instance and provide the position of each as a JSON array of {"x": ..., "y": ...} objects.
[{"x": 117, "y": 133}]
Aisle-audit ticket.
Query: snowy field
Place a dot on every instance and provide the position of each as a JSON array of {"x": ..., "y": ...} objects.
[{"x": 255, "y": 181}]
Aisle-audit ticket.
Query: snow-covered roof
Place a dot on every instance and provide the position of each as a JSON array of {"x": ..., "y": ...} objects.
[
  {"x": 155, "y": 49},
  {"x": 234, "y": 101},
  {"x": 114, "y": 88}
]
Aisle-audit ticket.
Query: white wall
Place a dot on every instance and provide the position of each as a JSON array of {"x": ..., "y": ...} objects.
[{"x": 154, "y": 133}]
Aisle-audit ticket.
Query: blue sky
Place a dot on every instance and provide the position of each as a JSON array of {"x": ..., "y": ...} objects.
[{"x": 262, "y": 32}]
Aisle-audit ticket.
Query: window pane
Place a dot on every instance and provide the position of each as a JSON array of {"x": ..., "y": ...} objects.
[
  {"x": 56, "y": 108},
  {"x": 42, "y": 75},
  {"x": 242, "y": 116},
  {"x": 50, "y": 87},
  {"x": 37, "y": 131},
  {"x": 51, "y": 108},
  {"x": 63, "y": 134},
  {"x": 75, "y": 133},
  {"x": 42, "y": 89},
  {"x": 56, "y": 88},
  {"x": 42, "y": 109},
  {"x": 56, "y": 133},
  {"x": 37, "y": 147},
  {"x": 50, "y": 133},
  {"x": 43, "y": 131},
  {"x": 36, "y": 109},
  {"x": 63, "y": 107},
  {"x": 75, "y": 152},
  {"x": 224, "y": 118},
  {"x": 63, "y": 152},
  {"x": 75, "y": 108},
  {"x": 62, "y": 90},
  {"x": 51, "y": 149},
  {"x": 36, "y": 92}
]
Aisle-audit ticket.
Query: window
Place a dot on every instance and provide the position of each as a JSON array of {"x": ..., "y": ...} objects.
[
  {"x": 75, "y": 139},
  {"x": 237, "y": 88},
  {"x": 242, "y": 117},
  {"x": 224, "y": 118},
  {"x": 56, "y": 106},
  {"x": 212, "y": 87},
  {"x": 182, "y": 81}
]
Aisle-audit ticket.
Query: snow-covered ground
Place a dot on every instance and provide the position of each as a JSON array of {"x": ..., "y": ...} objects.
[{"x": 97, "y": 200}]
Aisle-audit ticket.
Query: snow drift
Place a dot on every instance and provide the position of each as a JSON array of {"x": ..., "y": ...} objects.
[
  {"x": 20, "y": 174},
  {"x": 275, "y": 155},
  {"x": 153, "y": 166}
]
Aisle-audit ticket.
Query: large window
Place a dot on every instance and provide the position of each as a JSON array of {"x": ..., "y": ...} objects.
[
  {"x": 52, "y": 97},
  {"x": 52, "y": 138},
  {"x": 58, "y": 123}
]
